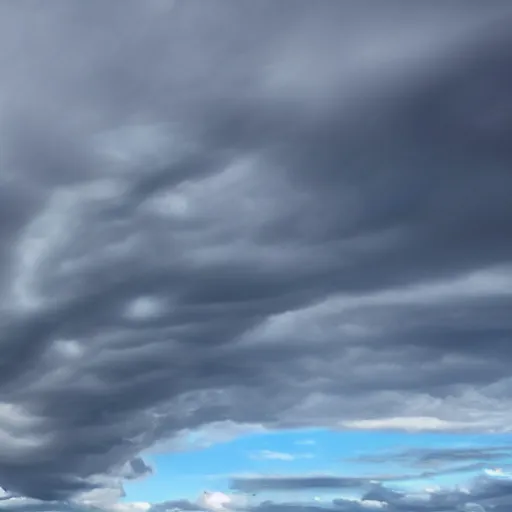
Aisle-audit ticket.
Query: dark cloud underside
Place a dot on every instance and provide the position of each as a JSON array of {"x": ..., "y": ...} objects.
[{"x": 279, "y": 213}]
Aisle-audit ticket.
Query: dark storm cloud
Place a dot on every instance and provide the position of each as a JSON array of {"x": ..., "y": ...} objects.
[{"x": 289, "y": 214}]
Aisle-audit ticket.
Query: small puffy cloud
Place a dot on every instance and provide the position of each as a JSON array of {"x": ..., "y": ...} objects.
[
  {"x": 217, "y": 501},
  {"x": 135, "y": 469}
]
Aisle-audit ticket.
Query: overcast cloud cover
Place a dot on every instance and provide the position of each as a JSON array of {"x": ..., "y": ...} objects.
[{"x": 272, "y": 214}]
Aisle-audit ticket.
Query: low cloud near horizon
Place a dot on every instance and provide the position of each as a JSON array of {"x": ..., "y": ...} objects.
[{"x": 249, "y": 215}]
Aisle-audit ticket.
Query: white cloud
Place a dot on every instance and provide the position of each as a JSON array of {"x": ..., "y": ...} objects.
[
  {"x": 273, "y": 455},
  {"x": 411, "y": 423},
  {"x": 215, "y": 501},
  {"x": 134, "y": 506},
  {"x": 306, "y": 442}
]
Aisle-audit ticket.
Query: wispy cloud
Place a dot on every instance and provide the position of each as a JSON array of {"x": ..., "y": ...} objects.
[
  {"x": 440, "y": 457},
  {"x": 284, "y": 456},
  {"x": 256, "y": 483},
  {"x": 306, "y": 442}
]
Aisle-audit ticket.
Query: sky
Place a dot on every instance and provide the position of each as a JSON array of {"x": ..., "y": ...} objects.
[{"x": 255, "y": 256}]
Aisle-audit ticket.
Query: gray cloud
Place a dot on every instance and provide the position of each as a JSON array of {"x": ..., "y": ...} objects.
[
  {"x": 136, "y": 469},
  {"x": 253, "y": 484},
  {"x": 483, "y": 493},
  {"x": 277, "y": 483},
  {"x": 438, "y": 457},
  {"x": 292, "y": 215},
  {"x": 184, "y": 505}
]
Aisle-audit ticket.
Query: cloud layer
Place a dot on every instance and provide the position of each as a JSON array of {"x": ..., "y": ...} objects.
[
  {"x": 286, "y": 215},
  {"x": 482, "y": 494}
]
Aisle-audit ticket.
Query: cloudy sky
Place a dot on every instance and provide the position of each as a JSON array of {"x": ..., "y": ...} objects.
[{"x": 260, "y": 249}]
